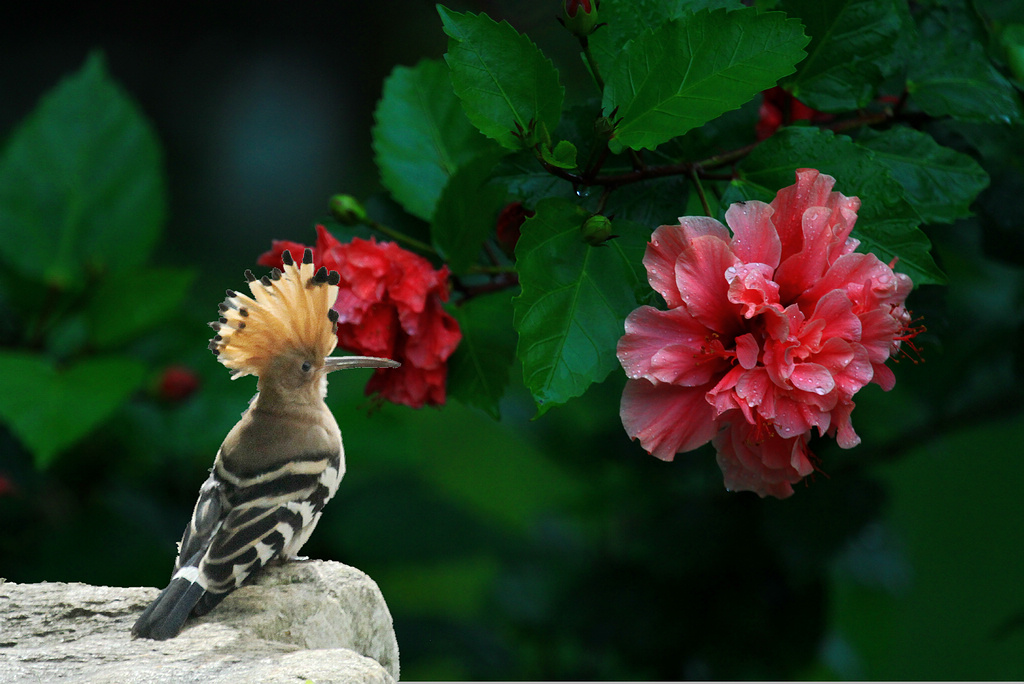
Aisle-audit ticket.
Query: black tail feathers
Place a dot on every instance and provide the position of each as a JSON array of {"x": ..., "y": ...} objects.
[{"x": 164, "y": 617}]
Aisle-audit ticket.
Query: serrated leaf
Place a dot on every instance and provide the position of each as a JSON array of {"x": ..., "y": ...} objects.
[
  {"x": 506, "y": 84},
  {"x": 886, "y": 223},
  {"x": 478, "y": 370},
  {"x": 126, "y": 304},
  {"x": 422, "y": 136},
  {"x": 951, "y": 74},
  {"x": 691, "y": 70},
  {"x": 626, "y": 19},
  {"x": 466, "y": 214},
  {"x": 49, "y": 409},
  {"x": 81, "y": 183},
  {"x": 939, "y": 183},
  {"x": 574, "y": 301},
  {"x": 851, "y": 49}
]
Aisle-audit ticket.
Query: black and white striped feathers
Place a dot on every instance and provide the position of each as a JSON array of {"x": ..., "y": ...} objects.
[{"x": 281, "y": 463}]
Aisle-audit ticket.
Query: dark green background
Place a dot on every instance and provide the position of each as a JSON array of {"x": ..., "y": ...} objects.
[{"x": 539, "y": 549}]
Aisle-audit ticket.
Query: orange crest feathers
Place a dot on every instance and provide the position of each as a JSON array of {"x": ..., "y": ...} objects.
[{"x": 289, "y": 309}]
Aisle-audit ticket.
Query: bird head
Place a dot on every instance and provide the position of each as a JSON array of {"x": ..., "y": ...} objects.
[{"x": 285, "y": 332}]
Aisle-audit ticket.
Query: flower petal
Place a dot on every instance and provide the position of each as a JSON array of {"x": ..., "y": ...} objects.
[
  {"x": 665, "y": 346},
  {"x": 751, "y": 286},
  {"x": 812, "y": 189},
  {"x": 665, "y": 246},
  {"x": 767, "y": 467},
  {"x": 747, "y": 351},
  {"x": 665, "y": 418},
  {"x": 700, "y": 279},
  {"x": 812, "y": 377},
  {"x": 755, "y": 239}
]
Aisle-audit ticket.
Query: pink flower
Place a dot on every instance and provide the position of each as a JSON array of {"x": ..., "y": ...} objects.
[{"x": 769, "y": 333}]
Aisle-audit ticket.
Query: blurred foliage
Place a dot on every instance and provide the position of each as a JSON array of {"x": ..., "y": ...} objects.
[{"x": 550, "y": 548}]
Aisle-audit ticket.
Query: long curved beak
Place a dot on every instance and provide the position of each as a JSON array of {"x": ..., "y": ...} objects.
[{"x": 333, "y": 363}]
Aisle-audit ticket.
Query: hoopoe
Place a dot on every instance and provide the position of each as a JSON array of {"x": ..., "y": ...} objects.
[{"x": 282, "y": 461}]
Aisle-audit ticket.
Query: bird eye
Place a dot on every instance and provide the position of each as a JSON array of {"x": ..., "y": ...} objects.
[{"x": 306, "y": 366}]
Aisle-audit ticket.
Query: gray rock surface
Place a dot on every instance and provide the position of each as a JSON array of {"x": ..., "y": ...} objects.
[{"x": 304, "y": 620}]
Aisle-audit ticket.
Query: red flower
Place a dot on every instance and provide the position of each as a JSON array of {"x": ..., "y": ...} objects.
[
  {"x": 768, "y": 333},
  {"x": 390, "y": 305},
  {"x": 779, "y": 108},
  {"x": 177, "y": 383},
  {"x": 272, "y": 259}
]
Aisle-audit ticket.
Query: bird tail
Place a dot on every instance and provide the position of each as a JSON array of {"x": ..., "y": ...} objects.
[{"x": 164, "y": 617}]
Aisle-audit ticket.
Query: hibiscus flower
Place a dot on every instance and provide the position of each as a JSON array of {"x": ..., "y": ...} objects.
[
  {"x": 769, "y": 333},
  {"x": 389, "y": 304}
]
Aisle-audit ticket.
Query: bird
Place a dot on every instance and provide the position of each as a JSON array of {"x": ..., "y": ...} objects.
[{"x": 282, "y": 462}]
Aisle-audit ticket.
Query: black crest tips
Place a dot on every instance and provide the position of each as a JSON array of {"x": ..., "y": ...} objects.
[
  {"x": 286, "y": 258},
  {"x": 307, "y": 256},
  {"x": 333, "y": 278},
  {"x": 249, "y": 277},
  {"x": 243, "y": 312},
  {"x": 321, "y": 275},
  {"x": 215, "y": 325},
  {"x": 222, "y": 307},
  {"x": 266, "y": 281},
  {"x": 230, "y": 293},
  {"x": 222, "y": 320},
  {"x": 213, "y": 346},
  {"x": 332, "y": 315},
  {"x": 276, "y": 274}
]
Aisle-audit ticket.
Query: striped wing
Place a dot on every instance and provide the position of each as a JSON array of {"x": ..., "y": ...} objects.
[
  {"x": 239, "y": 524},
  {"x": 267, "y": 514}
]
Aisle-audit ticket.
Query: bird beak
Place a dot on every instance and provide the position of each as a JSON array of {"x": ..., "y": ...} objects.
[{"x": 333, "y": 363}]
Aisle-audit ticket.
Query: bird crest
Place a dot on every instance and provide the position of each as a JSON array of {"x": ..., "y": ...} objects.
[{"x": 288, "y": 309}]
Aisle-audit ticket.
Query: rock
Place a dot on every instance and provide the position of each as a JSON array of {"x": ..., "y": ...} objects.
[{"x": 303, "y": 620}]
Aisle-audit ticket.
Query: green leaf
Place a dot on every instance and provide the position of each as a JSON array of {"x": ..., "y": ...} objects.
[
  {"x": 527, "y": 181},
  {"x": 886, "y": 223},
  {"x": 563, "y": 156},
  {"x": 81, "y": 185},
  {"x": 127, "y": 304},
  {"x": 478, "y": 370},
  {"x": 422, "y": 136},
  {"x": 951, "y": 74},
  {"x": 574, "y": 301},
  {"x": 626, "y": 19},
  {"x": 691, "y": 70},
  {"x": 651, "y": 203},
  {"x": 466, "y": 214},
  {"x": 851, "y": 50},
  {"x": 939, "y": 183},
  {"x": 506, "y": 84},
  {"x": 50, "y": 410}
]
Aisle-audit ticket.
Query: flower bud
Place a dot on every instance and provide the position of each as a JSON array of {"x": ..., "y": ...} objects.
[
  {"x": 580, "y": 16},
  {"x": 604, "y": 127},
  {"x": 596, "y": 229},
  {"x": 348, "y": 210}
]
